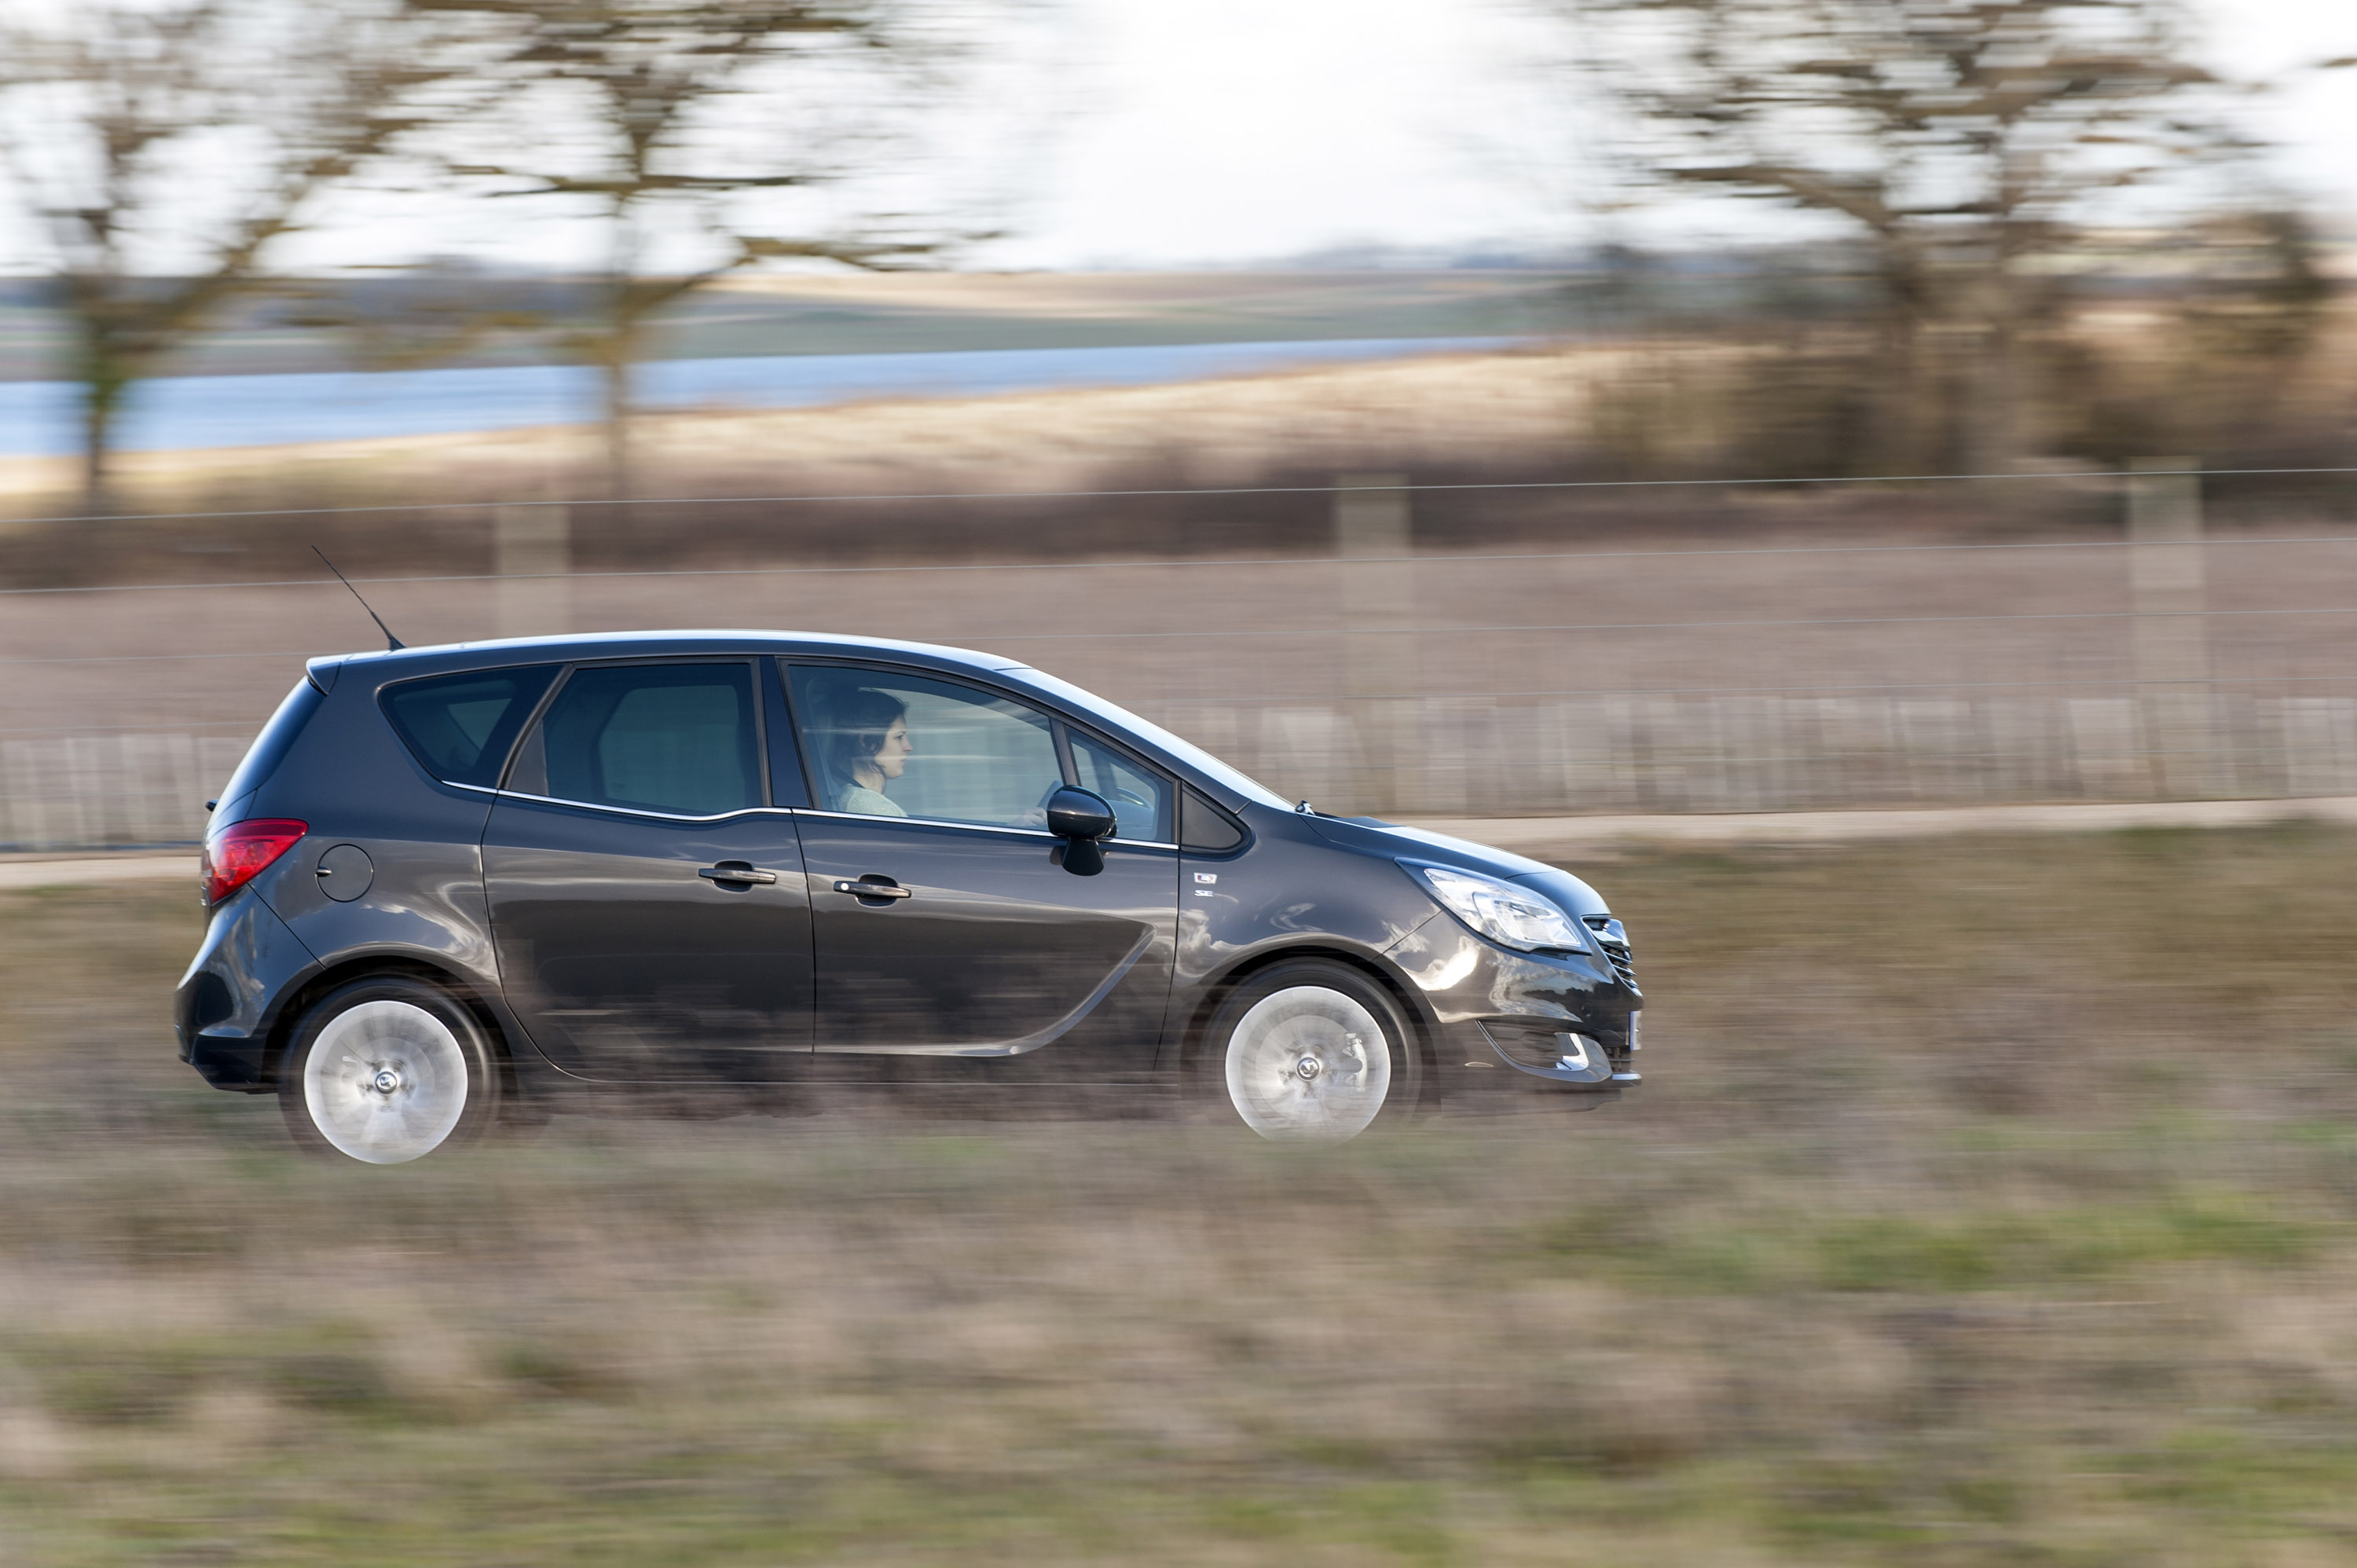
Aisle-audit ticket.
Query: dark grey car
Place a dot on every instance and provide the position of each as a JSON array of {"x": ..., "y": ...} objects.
[{"x": 452, "y": 886}]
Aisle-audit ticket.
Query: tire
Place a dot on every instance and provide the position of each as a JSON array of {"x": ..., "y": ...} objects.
[
  {"x": 388, "y": 1069},
  {"x": 1311, "y": 1052}
]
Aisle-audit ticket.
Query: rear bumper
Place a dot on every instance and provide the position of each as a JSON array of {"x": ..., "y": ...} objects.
[
  {"x": 228, "y": 1002},
  {"x": 227, "y": 1062}
]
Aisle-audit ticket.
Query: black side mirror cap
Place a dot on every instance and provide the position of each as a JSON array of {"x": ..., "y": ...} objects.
[{"x": 1081, "y": 818}]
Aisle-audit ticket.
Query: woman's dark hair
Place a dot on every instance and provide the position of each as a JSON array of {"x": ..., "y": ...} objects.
[{"x": 853, "y": 734}]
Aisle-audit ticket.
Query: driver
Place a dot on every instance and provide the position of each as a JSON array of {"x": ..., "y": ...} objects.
[{"x": 867, "y": 748}]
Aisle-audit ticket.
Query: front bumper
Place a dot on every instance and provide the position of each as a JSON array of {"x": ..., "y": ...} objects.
[{"x": 1515, "y": 1026}]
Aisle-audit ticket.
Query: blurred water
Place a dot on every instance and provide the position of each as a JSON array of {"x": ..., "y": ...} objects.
[{"x": 177, "y": 413}]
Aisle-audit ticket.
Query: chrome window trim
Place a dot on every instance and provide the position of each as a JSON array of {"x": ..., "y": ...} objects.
[
  {"x": 793, "y": 811},
  {"x": 628, "y": 810},
  {"x": 977, "y": 827}
]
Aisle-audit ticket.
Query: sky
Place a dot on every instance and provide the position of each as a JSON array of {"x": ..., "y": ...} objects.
[
  {"x": 1224, "y": 133},
  {"x": 1225, "y": 129}
]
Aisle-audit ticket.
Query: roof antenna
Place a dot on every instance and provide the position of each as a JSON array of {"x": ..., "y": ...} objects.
[{"x": 392, "y": 643}]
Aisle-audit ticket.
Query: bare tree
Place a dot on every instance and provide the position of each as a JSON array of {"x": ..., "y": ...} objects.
[
  {"x": 670, "y": 118},
  {"x": 163, "y": 150},
  {"x": 1970, "y": 143}
]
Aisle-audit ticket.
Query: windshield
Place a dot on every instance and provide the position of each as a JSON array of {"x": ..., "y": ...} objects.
[{"x": 1153, "y": 734}]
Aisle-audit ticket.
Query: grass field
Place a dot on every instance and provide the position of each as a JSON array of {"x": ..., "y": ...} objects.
[{"x": 1989, "y": 1202}]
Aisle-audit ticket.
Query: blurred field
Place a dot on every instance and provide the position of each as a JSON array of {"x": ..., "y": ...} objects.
[{"x": 1988, "y": 1202}]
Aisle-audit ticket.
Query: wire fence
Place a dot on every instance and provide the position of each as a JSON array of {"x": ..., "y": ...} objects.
[
  {"x": 1402, "y": 486},
  {"x": 1471, "y": 756},
  {"x": 1391, "y": 731}
]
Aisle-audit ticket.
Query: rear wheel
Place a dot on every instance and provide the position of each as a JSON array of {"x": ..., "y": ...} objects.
[
  {"x": 388, "y": 1069},
  {"x": 1312, "y": 1052}
]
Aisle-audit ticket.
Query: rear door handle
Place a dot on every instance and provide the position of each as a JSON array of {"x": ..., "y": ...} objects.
[
  {"x": 864, "y": 888},
  {"x": 736, "y": 871}
]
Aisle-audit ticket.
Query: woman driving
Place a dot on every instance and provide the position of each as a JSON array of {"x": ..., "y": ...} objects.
[{"x": 867, "y": 747}]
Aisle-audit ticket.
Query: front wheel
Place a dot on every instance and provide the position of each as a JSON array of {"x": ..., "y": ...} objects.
[
  {"x": 386, "y": 1071},
  {"x": 1312, "y": 1052}
]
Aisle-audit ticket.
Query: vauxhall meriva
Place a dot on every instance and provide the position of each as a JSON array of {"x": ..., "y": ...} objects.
[{"x": 454, "y": 886}]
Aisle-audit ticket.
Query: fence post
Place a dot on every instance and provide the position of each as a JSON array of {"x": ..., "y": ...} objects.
[
  {"x": 2171, "y": 638},
  {"x": 531, "y": 550},
  {"x": 1372, "y": 538}
]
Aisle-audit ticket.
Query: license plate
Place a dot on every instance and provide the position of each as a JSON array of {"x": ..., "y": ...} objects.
[{"x": 1632, "y": 1030}]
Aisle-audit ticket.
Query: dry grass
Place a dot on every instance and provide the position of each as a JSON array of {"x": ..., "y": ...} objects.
[{"x": 1991, "y": 1203}]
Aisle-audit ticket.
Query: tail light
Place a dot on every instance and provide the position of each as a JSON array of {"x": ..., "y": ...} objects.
[{"x": 241, "y": 851}]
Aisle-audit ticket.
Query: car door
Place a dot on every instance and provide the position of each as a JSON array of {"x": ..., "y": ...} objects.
[
  {"x": 945, "y": 928},
  {"x": 647, "y": 897}
]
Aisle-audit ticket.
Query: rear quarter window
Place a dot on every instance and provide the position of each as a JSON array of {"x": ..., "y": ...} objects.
[
  {"x": 459, "y": 728},
  {"x": 277, "y": 737}
]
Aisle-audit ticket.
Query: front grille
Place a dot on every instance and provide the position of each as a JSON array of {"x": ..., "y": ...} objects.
[{"x": 1615, "y": 943}]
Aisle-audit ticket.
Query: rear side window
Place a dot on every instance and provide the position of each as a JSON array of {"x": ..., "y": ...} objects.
[
  {"x": 679, "y": 739},
  {"x": 460, "y": 727}
]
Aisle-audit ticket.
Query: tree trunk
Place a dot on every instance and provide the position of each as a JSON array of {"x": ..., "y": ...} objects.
[
  {"x": 618, "y": 355},
  {"x": 1898, "y": 382},
  {"x": 619, "y": 344},
  {"x": 1987, "y": 442},
  {"x": 103, "y": 384},
  {"x": 1988, "y": 413}
]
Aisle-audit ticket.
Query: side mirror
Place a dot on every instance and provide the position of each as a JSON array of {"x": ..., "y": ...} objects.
[{"x": 1081, "y": 819}]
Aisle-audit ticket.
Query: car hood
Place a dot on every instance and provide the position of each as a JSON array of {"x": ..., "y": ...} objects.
[{"x": 1368, "y": 835}]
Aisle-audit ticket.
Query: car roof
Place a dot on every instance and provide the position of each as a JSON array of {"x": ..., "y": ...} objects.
[{"x": 384, "y": 665}]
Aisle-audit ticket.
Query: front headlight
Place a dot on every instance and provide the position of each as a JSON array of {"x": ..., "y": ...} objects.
[{"x": 1510, "y": 916}]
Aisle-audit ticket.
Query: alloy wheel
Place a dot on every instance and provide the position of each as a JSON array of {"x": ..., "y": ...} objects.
[
  {"x": 385, "y": 1082},
  {"x": 1309, "y": 1064}
]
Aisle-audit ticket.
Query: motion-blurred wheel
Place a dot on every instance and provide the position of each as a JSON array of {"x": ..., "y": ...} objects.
[
  {"x": 1312, "y": 1052},
  {"x": 388, "y": 1069}
]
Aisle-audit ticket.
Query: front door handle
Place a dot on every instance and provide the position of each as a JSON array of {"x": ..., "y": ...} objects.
[
  {"x": 878, "y": 888},
  {"x": 736, "y": 871}
]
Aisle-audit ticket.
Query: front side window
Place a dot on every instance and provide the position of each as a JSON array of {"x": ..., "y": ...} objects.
[
  {"x": 460, "y": 727},
  {"x": 675, "y": 738},
  {"x": 1140, "y": 800},
  {"x": 886, "y": 745}
]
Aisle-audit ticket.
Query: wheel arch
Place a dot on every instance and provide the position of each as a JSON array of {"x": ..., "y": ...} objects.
[
  {"x": 469, "y": 992},
  {"x": 1423, "y": 1025}
]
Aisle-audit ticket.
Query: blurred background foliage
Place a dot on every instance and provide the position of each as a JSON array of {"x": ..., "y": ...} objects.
[
  {"x": 2005, "y": 181},
  {"x": 2027, "y": 232}
]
